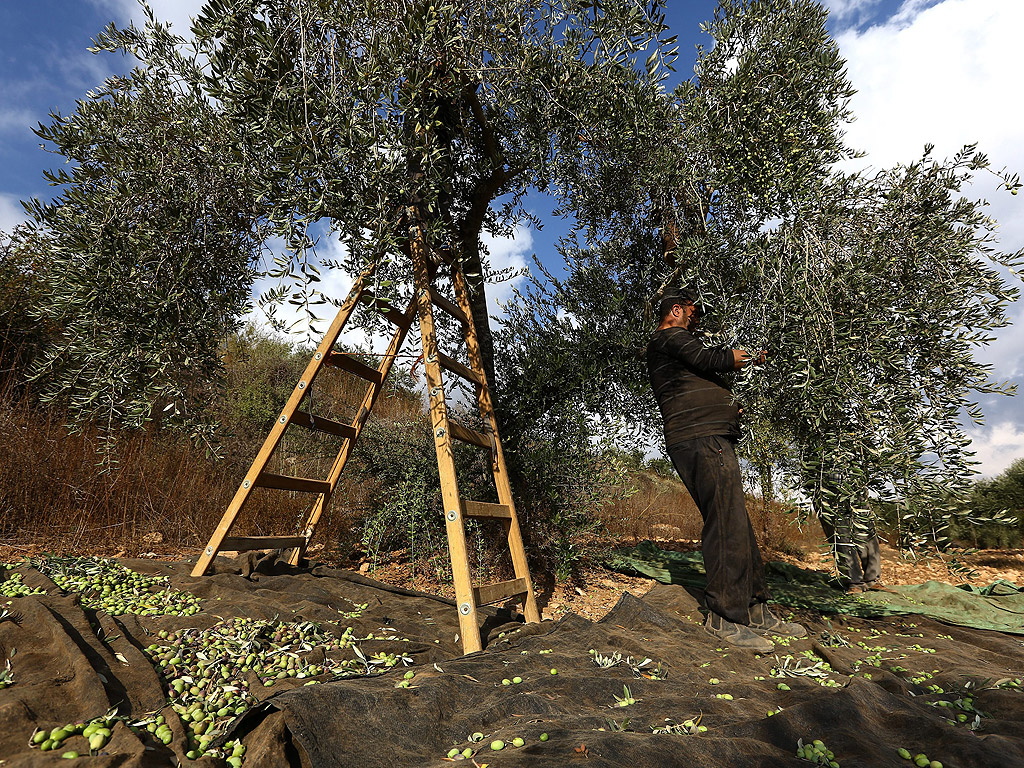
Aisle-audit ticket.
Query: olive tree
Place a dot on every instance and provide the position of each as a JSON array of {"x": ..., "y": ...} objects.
[
  {"x": 356, "y": 111},
  {"x": 870, "y": 291},
  {"x": 149, "y": 246},
  {"x": 280, "y": 117}
]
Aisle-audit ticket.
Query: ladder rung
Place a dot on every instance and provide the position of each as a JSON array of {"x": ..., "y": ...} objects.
[
  {"x": 319, "y": 424},
  {"x": 285, "y": 483},
  {"x": 484, "y": 509},
  {"x": 350, "y": 364},
  {"x": 448, "y": 306},
  {"x": 450, "y": 364},
  {"x": 247, "y": 543},
  {"x": 502, "y": 590},
  {"x": 460, "y": 432}
]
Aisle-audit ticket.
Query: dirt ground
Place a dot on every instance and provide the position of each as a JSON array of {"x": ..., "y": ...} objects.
[{"x": 596, "y": 590}]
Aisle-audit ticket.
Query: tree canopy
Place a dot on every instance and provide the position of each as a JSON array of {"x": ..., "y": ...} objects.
[
  {"x": 285, "y": 114},
  {"x": 149, "y": 248},
  {"x": 870, "y": 290}
]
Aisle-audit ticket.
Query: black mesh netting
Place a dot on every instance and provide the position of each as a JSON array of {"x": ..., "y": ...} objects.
[{"x": 863, "y": 687}]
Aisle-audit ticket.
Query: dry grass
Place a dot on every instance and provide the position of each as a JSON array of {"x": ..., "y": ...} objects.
[
  {"x": 662, "y": 509},
  {"x": 161, "y": 493}
]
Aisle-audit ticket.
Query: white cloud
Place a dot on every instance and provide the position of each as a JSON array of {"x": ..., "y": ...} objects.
[
  {"x": 334, "y": 284},
  {"x": 997, "y": 446},
  {"x": 504, "y": 254},
  {"x": 177, "y": 12},
  {"x": 849, "y": 11},
  {"x": 11, "y": 213},
  {"x": 946, "y": 73},
  {"x": 17, "y": 119},
  {"x": 507, "y": 253}
]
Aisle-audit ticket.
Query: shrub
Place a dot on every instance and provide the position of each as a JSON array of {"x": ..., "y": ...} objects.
[{"x": 990, "y": 497}]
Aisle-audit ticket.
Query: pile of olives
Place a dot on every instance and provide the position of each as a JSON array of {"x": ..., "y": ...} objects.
[
  {"x": 109, "y": 586},
  {"x": 13, "y": 586},
  {"x": 207, "y": 672}
]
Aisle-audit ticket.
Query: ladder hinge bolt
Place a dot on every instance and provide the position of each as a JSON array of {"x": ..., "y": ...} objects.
[
  {"x": 302, "y": 385},
  {"x": 440, "y": 432},
  {"x": 245, "y": 483},
  {"x": 284, "y": 419},
  {"x": 451, "y": 514},
  {"x": 465, "y": 608},
  {"x": 317, "y": 356},
  {"x": 209, "y": 550}
]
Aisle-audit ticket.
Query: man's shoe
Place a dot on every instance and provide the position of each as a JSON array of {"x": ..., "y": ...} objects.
[
  {"x": 864, "y": 586},
  {"x": 764, "y": 621},
  {"x": 736, "y": 635}
]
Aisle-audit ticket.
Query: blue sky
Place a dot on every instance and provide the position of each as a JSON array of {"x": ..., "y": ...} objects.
[{"x": 939, "y": 71}]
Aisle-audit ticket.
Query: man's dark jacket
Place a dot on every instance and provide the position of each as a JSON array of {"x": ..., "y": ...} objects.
[{"x": 694, "y": 400}]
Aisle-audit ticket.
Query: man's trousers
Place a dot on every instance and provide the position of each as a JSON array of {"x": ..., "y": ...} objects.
[
  {"x": 709, "y": 469},
  {"x": 857, "y": 554}
]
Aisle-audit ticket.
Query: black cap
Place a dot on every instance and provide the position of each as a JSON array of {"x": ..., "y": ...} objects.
[{"x": 673, "y": 296}]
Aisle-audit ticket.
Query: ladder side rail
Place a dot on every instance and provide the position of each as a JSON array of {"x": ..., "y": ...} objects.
[
  {"x": 362, "y": 415},
  {"x": 469, "y": 627},
  {"x": 501, "y": 480},
  {"x": 281, "y": 423}
]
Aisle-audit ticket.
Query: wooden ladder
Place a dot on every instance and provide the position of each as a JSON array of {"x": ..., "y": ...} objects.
[{"x": 445, "y": 430}]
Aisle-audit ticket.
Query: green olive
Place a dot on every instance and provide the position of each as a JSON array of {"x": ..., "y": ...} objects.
[
  {"x": 518, "y": 742},
  {"x": 543, "y": 737},
  {"x": 497, "y": 744}
]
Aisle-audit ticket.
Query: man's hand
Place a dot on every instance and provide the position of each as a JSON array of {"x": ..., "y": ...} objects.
[{"x": 741, "y": 358}]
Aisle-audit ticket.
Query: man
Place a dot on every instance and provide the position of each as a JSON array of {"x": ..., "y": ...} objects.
[{"x": 701, "y": 428}]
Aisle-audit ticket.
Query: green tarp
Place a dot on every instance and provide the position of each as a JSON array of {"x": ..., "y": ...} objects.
[{"x": 998, "y": 606}]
